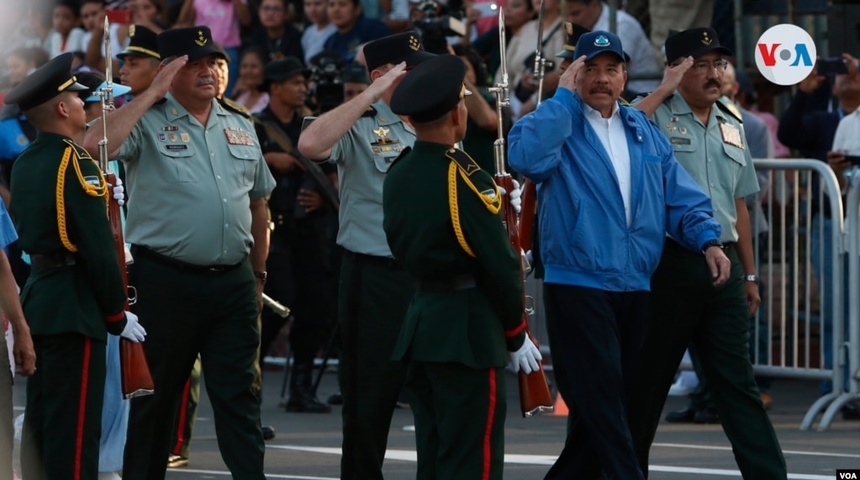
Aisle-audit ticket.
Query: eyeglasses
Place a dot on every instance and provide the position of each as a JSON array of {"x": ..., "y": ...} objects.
[
  {"x": 706, "y": 66},
  {"x": 269, "y": 8}
]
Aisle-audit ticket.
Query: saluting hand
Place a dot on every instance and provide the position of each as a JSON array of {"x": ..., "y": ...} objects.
[
  {"x": 161, "y": 84},
  {"x": 568, "y": 78},
  {"x": 719, "y": 264},
  {"x": 386, "y": 81},
  {"x": 673, "y": 74}
]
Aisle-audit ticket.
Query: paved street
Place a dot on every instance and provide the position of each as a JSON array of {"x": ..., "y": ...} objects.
[{"x": 307, "y": 446}]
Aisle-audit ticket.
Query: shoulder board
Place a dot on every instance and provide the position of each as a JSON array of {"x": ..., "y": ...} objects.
[
  {"x": 234, "y": 107},
  {"x": 402, "y": 154},
  {"x": 80, "y": 151},
  {"x": 463, "y": 160},
  {"x": 160, "y": 101},
  {"x": 727, "y": 106},
  {"x": 370, "y": 112}
]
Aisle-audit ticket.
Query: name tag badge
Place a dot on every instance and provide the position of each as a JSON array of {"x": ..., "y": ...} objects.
[
  {"x": 179, "y": 146},
  {"x": 238, "y": 136},
  {"x": 680, "y": 141},
  {"x": 731, "y": 135}
]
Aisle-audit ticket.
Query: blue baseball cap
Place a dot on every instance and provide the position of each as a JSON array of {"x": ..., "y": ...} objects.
[
  {"x": 118, "y": 91},
  {"x": 594, "y": 43}
]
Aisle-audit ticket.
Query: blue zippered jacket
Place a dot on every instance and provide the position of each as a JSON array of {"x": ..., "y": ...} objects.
[{"x": 584, "y": 236}]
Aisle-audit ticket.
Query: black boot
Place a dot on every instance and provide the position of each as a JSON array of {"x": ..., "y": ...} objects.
[{"x": 302, "y": 397}]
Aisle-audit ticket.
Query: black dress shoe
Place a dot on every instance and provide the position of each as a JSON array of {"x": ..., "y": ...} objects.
[
  {"x": 335, "y": 399},
  {"x": 268, "y": 432},
  {"x": 681, "y": 416},
  {"x": 305, "y": 402},
  {"x": 706, "y": 415}
]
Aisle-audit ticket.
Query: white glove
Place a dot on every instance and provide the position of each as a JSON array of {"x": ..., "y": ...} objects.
[
  {"x": 514, "y": 196},
  {"x": 119, "y": 192},
  {"x": 526, "y": 358},
  {"x": 133, "y": 330}
]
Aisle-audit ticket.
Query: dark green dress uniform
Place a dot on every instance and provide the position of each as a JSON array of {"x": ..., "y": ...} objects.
[
  {"x": 443, "y": 224},
  {"x": 73, "y": 297}
]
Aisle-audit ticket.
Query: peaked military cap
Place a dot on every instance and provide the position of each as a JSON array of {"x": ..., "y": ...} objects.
[
  {"x": 143, "y": 42},
  {"x": 394, "y": 49},
  {"x": 693, "y": 42},
  {"x": 572, "y": 33},
  {"x": 431, "y": 90},
  {"x": 354, "y": 73},
  {"x": 196, "y": 42},
  {"x": 48, "y": 81},
  {"x": 282, "y": 69}
]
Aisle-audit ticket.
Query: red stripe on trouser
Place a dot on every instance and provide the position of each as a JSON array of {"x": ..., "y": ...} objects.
[
  {"x": 180, "y": 419},
  {"x": 82, "y": 408},
  {"x": 491, "y": 412}
]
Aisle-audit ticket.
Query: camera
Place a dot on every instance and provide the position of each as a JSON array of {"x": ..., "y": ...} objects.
[
  {"x": 433, "y": 28},
  {"x": 832, "y": 66},
  {"x": 325, "y": 77}
]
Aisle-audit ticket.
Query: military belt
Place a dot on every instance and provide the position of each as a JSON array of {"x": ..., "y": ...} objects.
[
  {"x": 211, "y": 270},
  {"x": 453, "y": 284},
  {"x": 52, "y": 260},
  {"x": 386, "y": 262}
]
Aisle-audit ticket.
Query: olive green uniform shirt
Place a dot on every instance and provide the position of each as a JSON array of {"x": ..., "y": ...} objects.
[
  {"x": 472, "y": 326},
  {"x": 363, "y": 156},
  {"x": 716, "y": 155},
  {"x": 78, "y": 298},
  {"x": 190, "y": 185}
]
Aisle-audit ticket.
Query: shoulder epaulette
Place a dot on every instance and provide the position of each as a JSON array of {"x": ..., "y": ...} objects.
[
  {"x": 160, "y": 101},
  {"x": 370, "y": 112},
  {"x": 466, "y": 163},
  {"x": 80, "y": 151},
  {"x": 727, "y": 106},
  {"x": 402, "y": 154},
  {"x": 235, "y": 107}
]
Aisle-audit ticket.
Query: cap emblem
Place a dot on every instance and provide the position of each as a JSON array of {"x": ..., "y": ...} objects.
[
  {"x": 706, "y": 40},
  {"x": 131, "y": 30},
  {"x": 568, "y": 28},
  {"x": 414, "y": 43},
  {"x": 601, "y": 41},
  {"x": 201, "y": 40}
]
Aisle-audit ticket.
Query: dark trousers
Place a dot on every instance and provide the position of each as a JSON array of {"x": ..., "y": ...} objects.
[
  {"x": 459, "y": 420},
  {"x": 63, "y": 417},
  {"x": 186, "y": 415},
  {"x": 688, "y": 309},
  {"x": 595, "y": 338},
  {"x": 185, "y": 314},
  {"x": 373, "y": 297}
]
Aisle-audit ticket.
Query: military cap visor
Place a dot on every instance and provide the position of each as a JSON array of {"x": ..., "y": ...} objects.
[
  {"x": 402, "y": 47},
  {"x": 196, "y": 42},
  {"x": 48, "y": 81},
  {"x": 694, "y": 42},
  {"x": 143, "y": 43},
  {"x": 431, "y": 89}
]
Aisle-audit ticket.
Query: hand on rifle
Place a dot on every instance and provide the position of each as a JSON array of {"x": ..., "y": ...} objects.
[
  {"x": 133, "y": 330},
  {"x": 119, "y": 192},
  {"x": 514, "y": 196},
  {"x": 527, "y": 358}
]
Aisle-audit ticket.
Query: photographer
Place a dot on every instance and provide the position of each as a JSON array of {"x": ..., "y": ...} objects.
[
  {"x": 437, "y": 26},
  {"x": 326, "y": 91}
]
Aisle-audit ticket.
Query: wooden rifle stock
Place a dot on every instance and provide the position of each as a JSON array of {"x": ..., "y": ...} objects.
[{"x": 527, "y": 215}]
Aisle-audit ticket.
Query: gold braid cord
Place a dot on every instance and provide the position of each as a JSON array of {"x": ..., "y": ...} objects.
[
  {"x": 455, "y": 209},
  {"x": 91, "y": 190}
]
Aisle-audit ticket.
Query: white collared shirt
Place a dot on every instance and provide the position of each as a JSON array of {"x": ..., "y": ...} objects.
[{"x": 611, "y": 134}]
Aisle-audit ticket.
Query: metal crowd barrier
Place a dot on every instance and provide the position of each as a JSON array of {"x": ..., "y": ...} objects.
[{"x": 788, "y": 336}]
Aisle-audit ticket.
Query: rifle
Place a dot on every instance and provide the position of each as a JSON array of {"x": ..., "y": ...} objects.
[
  {"x": 277, "y": 134},
  {"x": 276, "y": 306},
  {"x": 534, "y": 389},
  {"x": 134, "y": 369}
]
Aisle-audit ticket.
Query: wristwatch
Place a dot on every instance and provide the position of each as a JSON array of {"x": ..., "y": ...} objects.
[
  {"x": 262, "y": 275},
  {"x": 751, "y": 278},
  {"x": 711, "y": 243}
]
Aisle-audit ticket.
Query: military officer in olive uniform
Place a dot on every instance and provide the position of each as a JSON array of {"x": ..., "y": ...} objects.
[
  {"x": 198, "y": 227},
  {"x": 362, "y": 137},
  {"x": 707, "y": 137},
  {"x": 74, "y": 296},
  {"x": 443, "y": 224}
]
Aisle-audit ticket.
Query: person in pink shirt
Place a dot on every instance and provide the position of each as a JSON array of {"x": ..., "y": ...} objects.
[{"x": 224, "y": 18}]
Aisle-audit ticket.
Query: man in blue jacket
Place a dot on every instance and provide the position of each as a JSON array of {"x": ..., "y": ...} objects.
[{"x": 610, "y": 190}]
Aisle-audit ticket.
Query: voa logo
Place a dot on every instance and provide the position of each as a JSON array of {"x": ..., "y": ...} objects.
[
  {"x": 847, "y": 475},
  {"x": 785, "y": 54}
]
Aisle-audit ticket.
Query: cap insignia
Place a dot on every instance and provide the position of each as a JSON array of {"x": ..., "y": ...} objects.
[
  {"x": 414, "y": 43},
  {"x": 568, "y": 27},
  {"x": 601, "y": 41},
  {"x": 131, "y": 30},
  {"x": 706, "y": 40},
  {"x": 201, "y": 40},
  {"x": 381, "y": 132}
]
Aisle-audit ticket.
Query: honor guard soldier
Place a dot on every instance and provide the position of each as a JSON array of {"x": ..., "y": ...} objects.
[
  {"x": 198, "y": 227},
  {"x": 707, "y": 136},
  {"x": 74, "y": 296},
  {"x": 362, "y": 137},
  {"x": 443, "y": 225}
]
